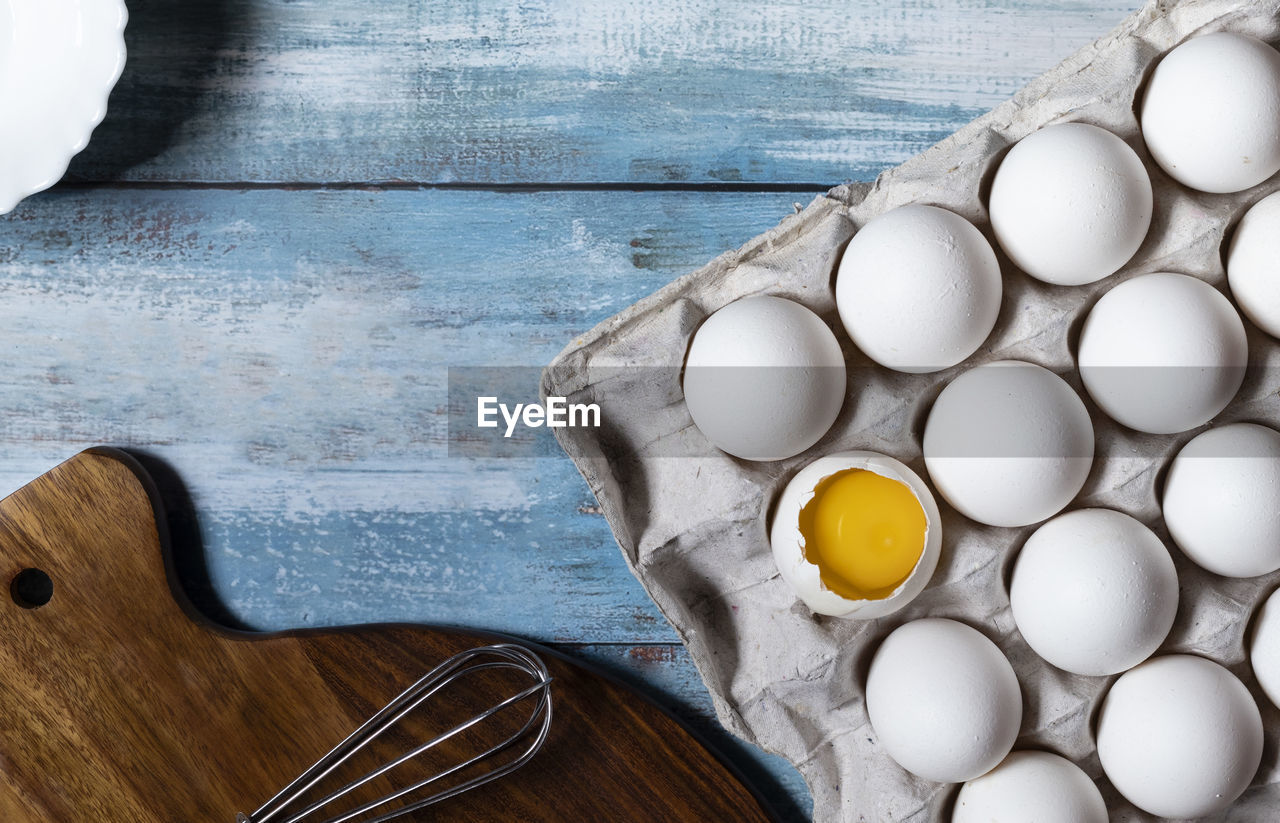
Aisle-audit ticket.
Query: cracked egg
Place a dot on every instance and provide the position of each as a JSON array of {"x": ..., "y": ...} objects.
[{"x": 856, "y": 534}]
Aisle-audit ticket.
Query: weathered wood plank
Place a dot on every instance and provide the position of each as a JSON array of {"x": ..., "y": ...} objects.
[
  {"x": 286, "y": 353},
  {"x": 122, "y": 708},
  {"x": 501, "y": 92}
]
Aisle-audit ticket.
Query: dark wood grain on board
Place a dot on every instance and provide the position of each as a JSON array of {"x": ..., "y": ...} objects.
[
  {"x": 183, "y": 300},
  {"x": 121, "y": 704}
]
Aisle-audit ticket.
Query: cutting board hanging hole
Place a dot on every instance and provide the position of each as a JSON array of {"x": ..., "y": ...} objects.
[
  {"x": 128, "y": 674},
  {"x": 31, "y": 588}
]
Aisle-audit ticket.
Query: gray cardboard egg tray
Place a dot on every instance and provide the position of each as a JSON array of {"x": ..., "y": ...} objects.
[{"x": 691, "y": 521}]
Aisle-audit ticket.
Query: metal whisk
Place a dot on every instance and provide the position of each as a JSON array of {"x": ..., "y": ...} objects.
[{"x": 532, "y": 734}]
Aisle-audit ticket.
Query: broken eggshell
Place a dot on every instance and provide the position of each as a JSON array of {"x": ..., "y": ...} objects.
[{"x": 805, "y": 577}]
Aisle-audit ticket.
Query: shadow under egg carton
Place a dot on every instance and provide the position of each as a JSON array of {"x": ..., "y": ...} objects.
[{"x": 693, "y": 522}]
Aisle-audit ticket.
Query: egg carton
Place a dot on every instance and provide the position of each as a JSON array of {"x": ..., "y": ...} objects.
[{"x": 692, "y": 522}]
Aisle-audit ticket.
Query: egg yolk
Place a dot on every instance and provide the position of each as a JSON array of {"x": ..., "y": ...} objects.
[{"x": 864, "y": 532}]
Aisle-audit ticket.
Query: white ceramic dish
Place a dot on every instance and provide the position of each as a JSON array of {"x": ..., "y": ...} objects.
[{"x": 59, "y": 60}]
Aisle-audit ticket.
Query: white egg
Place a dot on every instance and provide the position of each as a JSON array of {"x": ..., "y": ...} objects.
[
  {"x": 1180, "y": 736},
  {"x": 1008, "y": 444},
  {"x": 1253, "y": 264},
  {"x": 806, "y": 577},
  {"x": 1264, "y": 647},
  {"x": 928, "y": 264},
  {"x": 943, "y": 700},
  {"x": 1221, "y": 499},
  {"x": 1031, "y": 787},
  {"x": 1163, "y": 353},
  {"x": 1094, "y": 592},
  {"x": 1070, "y": 204},
  {"x": 1211, "y": 112},
  {"x": 764, "y": 379}
]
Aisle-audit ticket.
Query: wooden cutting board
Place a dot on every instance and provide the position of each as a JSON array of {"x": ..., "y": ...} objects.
[{"x": 118, "y": 702}]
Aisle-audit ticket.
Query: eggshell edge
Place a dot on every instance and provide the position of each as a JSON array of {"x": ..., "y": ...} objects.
[{"x": 804, "y": 577}]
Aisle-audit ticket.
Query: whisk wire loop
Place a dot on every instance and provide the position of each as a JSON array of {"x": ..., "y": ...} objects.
[{"x": 534, "y": 730}]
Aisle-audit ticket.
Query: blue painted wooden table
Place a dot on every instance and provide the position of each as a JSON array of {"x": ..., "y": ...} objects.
[{"x": 299, "y": 214}]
